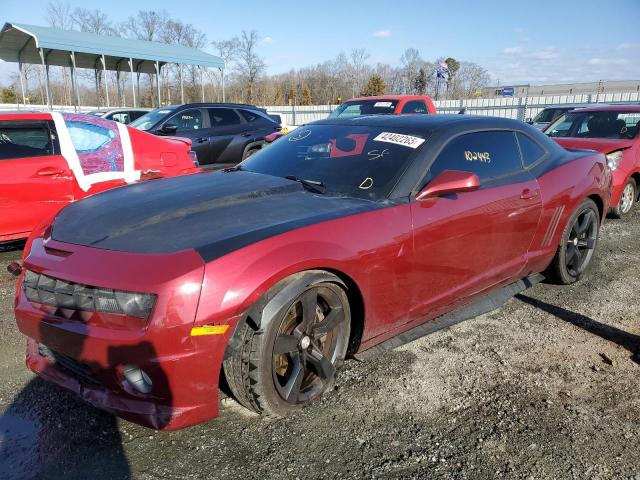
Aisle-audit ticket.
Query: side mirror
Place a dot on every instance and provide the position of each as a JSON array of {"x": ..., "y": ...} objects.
[
  {"x": 168, "y": 129},
  {"x": 449, "y": 181},
  {"x": 529, "y": 121}
]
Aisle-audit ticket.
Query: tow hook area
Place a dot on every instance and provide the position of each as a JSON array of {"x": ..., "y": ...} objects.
[{"x": 14, "y": 269}]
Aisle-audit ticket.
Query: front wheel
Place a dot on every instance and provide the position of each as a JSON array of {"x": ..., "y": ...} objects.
[
  {"x": 291, "y": 360},
  {"x": 628, "y": 198},
  {"x": 577, "y": 245}
]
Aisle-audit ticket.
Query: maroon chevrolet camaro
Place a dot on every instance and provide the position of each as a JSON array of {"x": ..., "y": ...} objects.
[{"x": 344, "y": 238}]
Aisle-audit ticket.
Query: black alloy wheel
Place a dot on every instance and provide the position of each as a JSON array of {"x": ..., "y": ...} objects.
[
  {"x": 581, "y": 243},
  {"x": 305, "y": 348}
]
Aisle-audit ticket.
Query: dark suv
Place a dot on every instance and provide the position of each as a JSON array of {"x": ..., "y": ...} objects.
[{"x": 222, "y": 133}]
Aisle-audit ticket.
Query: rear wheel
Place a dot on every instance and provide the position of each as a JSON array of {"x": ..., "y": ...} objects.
[
  {"x": 250, "y": 152},
  {"x": 292, "y": 359},
  {"x": 577, "y": 245},
  {"x": 628, "y": 198}
]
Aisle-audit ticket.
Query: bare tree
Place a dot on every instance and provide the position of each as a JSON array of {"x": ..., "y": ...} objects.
[
  {"x": 411, "y": 63},
  {"x": 469, "y": 77},
  {"x": 359, "y": 57},
  {"x": 249, "y": 64},
  {"x": 94, "y": 21},
  {"x": 59, "y": 15},
  {"x": 146, "y": 25}
]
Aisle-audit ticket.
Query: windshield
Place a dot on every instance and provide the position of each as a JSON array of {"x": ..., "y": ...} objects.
[
  {"x": 604, "y": 124},
  {"x": 364, "y": 107},
  {"x": 548, "y": 115},
  {"x": 355, "y": 161},
  {"x": 148, "y": 120}
]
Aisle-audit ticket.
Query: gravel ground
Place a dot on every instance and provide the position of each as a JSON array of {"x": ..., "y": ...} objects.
[{"x": 545, "y": 387}]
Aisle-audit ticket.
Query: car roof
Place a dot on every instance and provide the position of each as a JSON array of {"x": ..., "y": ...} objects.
[
  {"x": 567, "y": 106},
  {"x": 214, "y": 104},
  {"x": 388, "y": 97},
  {"x": 426, "y": 122},
  {"x": 613, "y": 108}
]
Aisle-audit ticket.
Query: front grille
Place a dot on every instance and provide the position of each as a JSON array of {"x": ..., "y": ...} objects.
[{"x": 79, "y": 371}]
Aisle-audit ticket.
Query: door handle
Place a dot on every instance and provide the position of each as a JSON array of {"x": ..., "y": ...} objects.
[
  {"x": 528, "y": 194},
  {"x": 202, "y": 139},
  {"x": 245, "y": 135},
  {"x": 49, "y": 172}
]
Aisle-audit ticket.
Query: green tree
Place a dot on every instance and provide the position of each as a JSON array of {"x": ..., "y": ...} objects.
[
  {"x": 452, "y": 68},
  {"x": 375, "y": 86},
  {"x": 8, "y": 95},
  {"x": 420, "y": 82}
]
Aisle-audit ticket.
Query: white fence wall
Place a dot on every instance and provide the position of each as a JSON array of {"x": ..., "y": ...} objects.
[{"x": 510, "y": 107}]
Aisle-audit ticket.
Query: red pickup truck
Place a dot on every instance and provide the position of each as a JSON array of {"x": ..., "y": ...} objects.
[{"x": 385, "y": 104}]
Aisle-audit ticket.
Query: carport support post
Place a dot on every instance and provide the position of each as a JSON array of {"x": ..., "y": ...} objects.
[
  {"x": 74, "y": 81},
  {"x": 133, "y": 85},
  {"x": 202, "y": 82},
  {"x": 24, "y": 98},
  {"x": 157, "y": 65},
  {"x": 119, "y": 91},
  {"x": 95, "y": 73},
  {"x": 106, "y": 83},
  {"x": 222, "y": 81},
  {"x": 46, "y": 73},
  {"x": 181, "y": 84}
]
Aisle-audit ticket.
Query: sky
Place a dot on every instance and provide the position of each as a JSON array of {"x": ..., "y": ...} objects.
[{"x": 518, "y": 42}]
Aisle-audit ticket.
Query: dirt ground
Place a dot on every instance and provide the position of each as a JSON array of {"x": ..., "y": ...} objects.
[{"x": 545, "y": 387}]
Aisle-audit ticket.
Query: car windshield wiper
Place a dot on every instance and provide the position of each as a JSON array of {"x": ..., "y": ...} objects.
[{"x": 311, "y": 185}]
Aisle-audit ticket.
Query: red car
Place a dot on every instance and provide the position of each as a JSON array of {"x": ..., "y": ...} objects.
[
  {"x": 48, "y": 160},
  {"x": 385, "y": 104},
  {"x": 344, "y": 238},
  {"x": 612, "y": 130}
]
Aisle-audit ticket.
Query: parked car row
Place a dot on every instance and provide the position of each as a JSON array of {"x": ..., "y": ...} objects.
[{"x": 343, "y": 238}]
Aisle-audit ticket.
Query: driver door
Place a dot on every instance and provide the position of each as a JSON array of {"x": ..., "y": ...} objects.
[
  {"x": 194, "y": 125},
  {"x": 469, "y": 242}
]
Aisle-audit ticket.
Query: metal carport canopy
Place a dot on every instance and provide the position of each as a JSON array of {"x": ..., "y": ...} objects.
[
  {"x": 67, "y": 48},
  {"x": 21, "y": 43}
]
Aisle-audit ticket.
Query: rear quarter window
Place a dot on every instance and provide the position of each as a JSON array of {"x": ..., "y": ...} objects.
[
  {"x": 415, "y": 106},
  {"x": 530, "y": 150},
  {"x": 489, "y": 155},
  {"x": 25, "y": 140}
]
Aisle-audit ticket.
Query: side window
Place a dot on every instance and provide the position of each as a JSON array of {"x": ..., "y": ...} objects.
[
  {"x": 415, "y": 106},
  {"x": 88, "y": 137},
  {"x": 121, "y": 117},
  {"x": 487, "y": 154},
  {"x": 531, "y": 151},
  {"x": 187, "y": 120},
  {"x": 249, "y": 116},
  {"x": 223, "y": 117},
  {"x": 25, "y": 140},
  {"x": 134, "y": 115}
]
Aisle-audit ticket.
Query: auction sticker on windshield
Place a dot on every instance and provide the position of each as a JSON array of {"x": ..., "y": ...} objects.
[{"x": 400, "y": 139}]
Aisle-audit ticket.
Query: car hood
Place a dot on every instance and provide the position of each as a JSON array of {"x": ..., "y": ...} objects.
[
  {"x": 602, "y": 145},
  {"x": 214, "y": 213}
]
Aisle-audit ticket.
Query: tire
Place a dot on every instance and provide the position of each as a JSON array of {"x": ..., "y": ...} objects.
[
  {"x": 577, "y": 245},
  {"x": 250, "y": 152},
  {"x": 291, "y": 358},
  {"x": 627, "y": 199}
]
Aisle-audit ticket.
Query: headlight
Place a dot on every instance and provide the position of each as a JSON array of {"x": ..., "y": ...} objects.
[
  {"x": 194, "y": 158},
  {"x": 45, "y": 290},
  {"x": 613, "y": 159}
]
